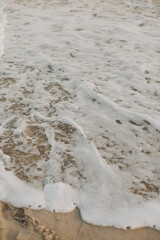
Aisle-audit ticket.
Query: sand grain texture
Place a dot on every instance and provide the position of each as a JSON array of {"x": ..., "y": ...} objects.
[{"x": 27, "y": 224}]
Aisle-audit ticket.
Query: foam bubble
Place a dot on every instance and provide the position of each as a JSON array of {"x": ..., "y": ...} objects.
[
  {"x": 79, "y": 112},
  {"x": 2, "y": 23}
]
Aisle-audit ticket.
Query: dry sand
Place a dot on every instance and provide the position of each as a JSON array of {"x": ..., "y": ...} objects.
[{"x": 27, "y": 224}]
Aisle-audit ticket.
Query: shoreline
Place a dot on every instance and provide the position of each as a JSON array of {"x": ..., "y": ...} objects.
[
  {"x": 79, "y": 80},
  {"x": 27, "y": 224}
]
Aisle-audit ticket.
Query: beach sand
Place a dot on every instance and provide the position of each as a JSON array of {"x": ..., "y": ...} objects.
[
  {"x": 72, "y": 60},
  {"x": 27, "y": 224}
]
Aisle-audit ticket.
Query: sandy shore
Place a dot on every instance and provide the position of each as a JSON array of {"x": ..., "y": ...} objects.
[{"x": 26, "y": 224}]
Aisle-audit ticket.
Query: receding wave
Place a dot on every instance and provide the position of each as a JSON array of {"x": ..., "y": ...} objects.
[
  {"x": 79, "y": 112},
  {"x": 2, "y": 23}
]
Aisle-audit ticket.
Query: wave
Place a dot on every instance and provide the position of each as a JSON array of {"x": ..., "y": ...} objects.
[
  {"x": 2, "y": 23},
  {"x": 79, "y": 119}
]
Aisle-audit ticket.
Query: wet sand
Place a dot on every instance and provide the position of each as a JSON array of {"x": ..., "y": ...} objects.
[
  {"x": 27, "y": 224},
  {"x": 46, "y": 81}
]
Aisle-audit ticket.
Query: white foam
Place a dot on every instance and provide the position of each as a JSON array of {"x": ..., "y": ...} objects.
[
  {"x": 12, "y": 187},
  {"x": 79, "y": 110},
  {"x": 2, "y": 23}
]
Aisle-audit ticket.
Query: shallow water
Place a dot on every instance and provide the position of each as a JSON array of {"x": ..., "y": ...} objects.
[
  {"x": 80, "y": 113},
  {"x": 2, "y": 23}
]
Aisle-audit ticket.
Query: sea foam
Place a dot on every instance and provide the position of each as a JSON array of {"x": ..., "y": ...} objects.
[
  {"x": 2, "y": 23},
  {"x": 79, "y": 109}
]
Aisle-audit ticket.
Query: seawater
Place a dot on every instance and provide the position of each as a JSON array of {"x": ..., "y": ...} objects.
[
  {"x": 79, "y": 109},
  {"x": 2, "y": 23}
]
